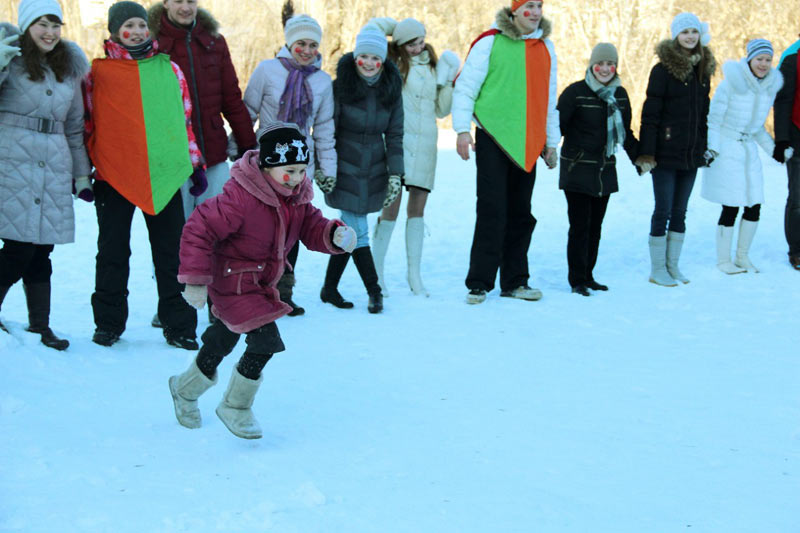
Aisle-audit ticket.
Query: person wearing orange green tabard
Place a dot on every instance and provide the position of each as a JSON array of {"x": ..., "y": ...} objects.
[
  {"x": 141, "y": 143},
  {"x": 508, "y": 87}
]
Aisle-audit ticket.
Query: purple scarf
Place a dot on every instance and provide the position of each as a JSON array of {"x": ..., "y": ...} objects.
[{"x": 297, "y": 99}]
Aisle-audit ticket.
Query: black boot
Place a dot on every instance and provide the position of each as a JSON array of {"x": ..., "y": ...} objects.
[
  {"x": 366, "y": 269},
  {"x": 38, "y": 297},
  {"x": 330, "y": 292},
  {"x": 285, "y": 288},
  {"x": 3, "y": 292}
]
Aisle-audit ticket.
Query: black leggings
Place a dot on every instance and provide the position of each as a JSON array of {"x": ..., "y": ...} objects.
[
  {"x": 219, "y": 341},
  {"x": 728, "y": 216}
]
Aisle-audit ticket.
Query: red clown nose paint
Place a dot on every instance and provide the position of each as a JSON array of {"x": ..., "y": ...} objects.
[
  {"x": 126, "y": 34},
  {"x": 286, "y": 177}
]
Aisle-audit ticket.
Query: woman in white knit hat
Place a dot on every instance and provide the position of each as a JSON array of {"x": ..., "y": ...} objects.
[
  {"x": 673, "y": 138},
  {"x": 42, "y": 153},
  {"x": 427, "y": 95},
  {"x": 369, "y": 145},
  {"x": 292, "y": 88},
  {"x": 736, "y": 120}
]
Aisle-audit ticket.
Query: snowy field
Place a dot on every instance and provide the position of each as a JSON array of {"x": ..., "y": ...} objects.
[{"x": 644, "y": 409}]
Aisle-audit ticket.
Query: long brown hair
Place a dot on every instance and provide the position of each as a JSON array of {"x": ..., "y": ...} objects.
[
  {"x": 57, "y": 59},
  {"x": 400, "y": 57}
]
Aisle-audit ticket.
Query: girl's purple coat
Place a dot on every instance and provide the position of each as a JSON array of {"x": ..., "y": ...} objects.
[{"x": 236, "y": 244}]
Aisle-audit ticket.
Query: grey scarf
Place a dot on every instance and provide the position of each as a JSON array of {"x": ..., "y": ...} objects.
[{"x": 614, "y": 125}]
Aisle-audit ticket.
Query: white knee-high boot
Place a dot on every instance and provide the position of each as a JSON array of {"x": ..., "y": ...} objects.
[
  {"x": 415, "y": 235},
  {"x": 674, "y": 246},
  {"x": 747, "y": 230},
  {"x": 724, "y": 239},
  {"x": 234, "y": 409},
  {"x": 658, "y": 262},
  {"x": 380, "y": 243}
]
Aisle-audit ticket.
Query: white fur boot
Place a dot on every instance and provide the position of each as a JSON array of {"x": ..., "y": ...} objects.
[
  {"x": 234, "y": 409},
  {"x": 674, "y": 246},
  {"x": 724, "y": 239},
  {"x": 658, "y": 262},
  {"x": 747, "y": 230},
  {"x": 186, "y": 388},
  {"x": 415, "y": 235},
  {"x": 380, "y": 243}
]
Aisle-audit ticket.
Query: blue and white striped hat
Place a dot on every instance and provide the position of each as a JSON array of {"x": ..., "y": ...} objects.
[{"x": 756, "y": 47}]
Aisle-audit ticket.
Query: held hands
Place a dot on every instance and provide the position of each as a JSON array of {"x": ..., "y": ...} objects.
[
  {"x": 7, "y": 50},
  {"x": 710, "y": 156},
  {"x": 345, "y": 238},
  {"x": 463, "y": 143},
  {"x": 195, "y": 295},
  {"x": 82, "y": 188},
  {"x": 325, "y": 183},
  {"x": 550, "y": 157},
  {"x": 199, "y": 182},
  {"x": 645, "y": 163},
  {"x": 782, "y": 152},
  {"x": 392, "y": 190}
]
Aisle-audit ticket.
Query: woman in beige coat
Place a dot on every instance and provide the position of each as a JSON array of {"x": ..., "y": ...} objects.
[{"x": 427, "y": 95}]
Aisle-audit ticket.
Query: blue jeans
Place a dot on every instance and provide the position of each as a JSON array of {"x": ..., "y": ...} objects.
[
  {"x": 216, "y": 176},
  {"x": 792, "y": 215},
  {"x": 671, "y": 189},
  {"x": 360, "y": 226}
]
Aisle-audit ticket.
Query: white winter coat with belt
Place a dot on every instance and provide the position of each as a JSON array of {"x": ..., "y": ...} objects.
[
  {"x": 263, "y": 95},
  {"x": 423, "y": 102},
  {"x": 37, "y": 168},
  {"x": 736, "y": 120}
]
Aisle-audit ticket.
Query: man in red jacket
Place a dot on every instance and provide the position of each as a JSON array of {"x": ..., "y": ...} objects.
[{"x": 191, "y": 38}]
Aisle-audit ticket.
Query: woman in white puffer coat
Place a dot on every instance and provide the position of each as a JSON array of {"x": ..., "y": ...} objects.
[
  {"x": 427, "y": 95},
  {"x": 736, "y": 120}
]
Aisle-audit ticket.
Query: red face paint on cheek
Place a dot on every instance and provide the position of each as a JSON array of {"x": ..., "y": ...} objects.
[
  {"x": 286, "y": 177},
  {"x": 613, "y": 69},
  {"x": 360, "y": 63},
  {"x": 126, "y": 34},
  {"x": 147, "y": 34},
  {"x": 526, "y": 13},
  {"x": 298, "y": 50},
  {"x": 597, "y": 68},
  {"x": 378, "y": 64}
]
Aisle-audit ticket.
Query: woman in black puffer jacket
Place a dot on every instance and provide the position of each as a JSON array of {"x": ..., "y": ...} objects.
[
  {"x": 368, "y": 116},
  {"x": 673, "y": 137},
  {"x": 595, "y": 116}
]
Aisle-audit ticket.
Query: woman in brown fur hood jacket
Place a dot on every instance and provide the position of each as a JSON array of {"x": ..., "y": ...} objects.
[{"x": 673, "y": 138}]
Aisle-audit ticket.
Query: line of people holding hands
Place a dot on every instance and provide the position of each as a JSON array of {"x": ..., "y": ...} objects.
[{"x": 144, "y": 127}]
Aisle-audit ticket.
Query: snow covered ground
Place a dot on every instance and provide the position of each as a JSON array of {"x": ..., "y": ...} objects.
[{"x": 644, "y": 409}]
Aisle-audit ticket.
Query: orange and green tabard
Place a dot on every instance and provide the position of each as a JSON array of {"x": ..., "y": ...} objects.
[
  {"x": 512, "y": 104},
  {"x": 139, "y": 144}
]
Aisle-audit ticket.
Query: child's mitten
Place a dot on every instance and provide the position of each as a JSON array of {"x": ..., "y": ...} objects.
[
  {"x": 345, "y": 238},
  {"x": 195, "y": 295}
]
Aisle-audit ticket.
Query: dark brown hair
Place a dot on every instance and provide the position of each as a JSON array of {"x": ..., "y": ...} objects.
[
  {"x": 57, "y": 59},
  {"x": 401, "y": 58}
]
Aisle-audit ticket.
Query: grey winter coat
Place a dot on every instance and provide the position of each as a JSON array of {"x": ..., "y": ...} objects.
[
  {"x": 37, "y": 168},
  {"x": 369, "y": 136}
]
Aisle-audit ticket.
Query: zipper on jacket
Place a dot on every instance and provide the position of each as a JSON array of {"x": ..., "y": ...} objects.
[{"x": 198, "y": 128}]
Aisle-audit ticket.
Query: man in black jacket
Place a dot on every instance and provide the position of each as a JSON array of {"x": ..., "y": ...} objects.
[{"x": 787, "y": 135}]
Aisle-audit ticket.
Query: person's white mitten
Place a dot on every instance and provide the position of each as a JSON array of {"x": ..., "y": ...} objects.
[
  {"x": 7, "y": 50},
  {"x": 447, "y": 67},
  {"x": 195, "y": 295},
  {"x": 788, "y": 153},
  {"x": 345, "y": 238}
]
